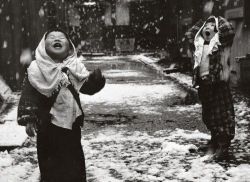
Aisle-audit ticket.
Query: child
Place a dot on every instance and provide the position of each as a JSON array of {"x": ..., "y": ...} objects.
[
  {"x": 212, "y": 40},
  {"x": 50, "y": 106}
]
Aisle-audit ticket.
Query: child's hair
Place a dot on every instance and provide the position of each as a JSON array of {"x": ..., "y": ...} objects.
[
  {"x": 56, "y": 29},
  {"x": 212, "y": 20}
]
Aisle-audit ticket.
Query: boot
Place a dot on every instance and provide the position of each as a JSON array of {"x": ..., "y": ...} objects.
[
  {"x": 210, "y": 146},
  {"x": 205, "y": 147},
  {"x": 221, "y": 152}
]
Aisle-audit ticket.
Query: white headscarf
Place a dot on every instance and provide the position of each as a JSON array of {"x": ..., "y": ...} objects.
[
  {"x": 45, "y": 74},
  {"x": 199, "y": 42}
]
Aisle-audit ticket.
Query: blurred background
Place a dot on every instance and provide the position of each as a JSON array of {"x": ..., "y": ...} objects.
[{"x": 109, "y": 27}]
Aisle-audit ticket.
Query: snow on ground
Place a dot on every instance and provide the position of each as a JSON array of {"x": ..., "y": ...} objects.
[
  {"x": 144, "y": 58},
  {"x": 183, "y": 78},
  {"x": 108, "y": 58},
  {"x": 19, "y": 165},
  {"x": 117, "y": 155},
  {"x": 183, "y": 108},
  {"x": 132, "y": 93},
  {"x": 123, "y": 73},
  {"x": 140, "y": 98}
]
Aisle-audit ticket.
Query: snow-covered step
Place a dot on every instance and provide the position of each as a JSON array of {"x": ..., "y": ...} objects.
[
  {"x": 11, "y": 134},
  {"x": 5, "y": 90}
]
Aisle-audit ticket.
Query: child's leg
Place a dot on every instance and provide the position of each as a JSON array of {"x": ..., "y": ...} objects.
[
  {"x": 60, "y": 155},
  {"x": 43, "y": 149},
  {"x": 224, "y": 143},
  {"x": 67, "y": 160},
  {"x": 213, "y": 144}
]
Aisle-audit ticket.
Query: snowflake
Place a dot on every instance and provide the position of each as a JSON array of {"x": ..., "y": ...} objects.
[
  {"x": 145, "y": 26},
  {"x": 157, "y": 30},
  {"x": 5, "y": 44}
]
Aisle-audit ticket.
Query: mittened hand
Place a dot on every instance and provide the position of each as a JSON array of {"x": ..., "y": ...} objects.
[
  {"x": 96, "y": 75},
  {"x": 94, "y": 83}
]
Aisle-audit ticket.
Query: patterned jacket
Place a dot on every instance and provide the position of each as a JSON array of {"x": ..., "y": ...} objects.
[{"x": 219, "y": 67}]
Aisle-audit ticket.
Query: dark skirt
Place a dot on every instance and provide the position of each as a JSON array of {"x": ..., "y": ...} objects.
[
  {"x": 60, "y": 154},
  {"x": 218, "y": 110}
]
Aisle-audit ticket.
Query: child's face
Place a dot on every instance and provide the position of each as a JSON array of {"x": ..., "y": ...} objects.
[
  {"x": 57, "y": 45},
  {"x": 208, "y": 31}
]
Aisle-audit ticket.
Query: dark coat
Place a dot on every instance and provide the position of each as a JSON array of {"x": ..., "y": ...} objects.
[
  {"x": 60, "y": 154},
  {"x": 33, "y": 106}
]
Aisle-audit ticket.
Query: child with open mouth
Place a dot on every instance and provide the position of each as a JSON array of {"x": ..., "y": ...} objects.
[
  {"x": 212, "y": 41},
  {"x": 50, "y": 106}
]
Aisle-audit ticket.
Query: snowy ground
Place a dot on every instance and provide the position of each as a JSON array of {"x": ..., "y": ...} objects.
[
  {"x": 114, "y": 154},
  {"x": 120, "y": 152},
  {"x": 121, "y": 155}
]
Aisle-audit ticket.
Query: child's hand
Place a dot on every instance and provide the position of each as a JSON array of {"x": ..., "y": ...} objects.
[
  {"x": 94, "y": 83},
  {"x": 96, "y": 75},
  {"x": 31, "y": 129}
]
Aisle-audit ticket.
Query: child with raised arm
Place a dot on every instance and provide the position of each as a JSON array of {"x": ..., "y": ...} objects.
[{"x": 212, "y": 41}]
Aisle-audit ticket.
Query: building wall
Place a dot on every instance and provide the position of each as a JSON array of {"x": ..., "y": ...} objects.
[
  {"x": 240, "y": 48},
  {"x": 241, "y": 45}
]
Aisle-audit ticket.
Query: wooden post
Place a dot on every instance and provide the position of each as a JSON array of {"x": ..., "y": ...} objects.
[{"x": 16, "y": 27}]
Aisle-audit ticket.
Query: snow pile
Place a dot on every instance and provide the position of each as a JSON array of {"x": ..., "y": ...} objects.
[
  {"x": 11, "y": 115},
  {"x": 5, "y": 90},
  {"x": 5, "y": 159},
  {"x": 11, "y": 134}
]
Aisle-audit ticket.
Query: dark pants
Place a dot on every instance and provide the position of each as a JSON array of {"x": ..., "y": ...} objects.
[
  {"x": 218, "y": 111},
  {"x": 60, "y": 154}
]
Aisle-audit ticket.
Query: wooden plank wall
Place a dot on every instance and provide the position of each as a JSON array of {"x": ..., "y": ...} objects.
[
  {"x": 240, "y": 47},
  {"x": 20, "y": 27}
]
